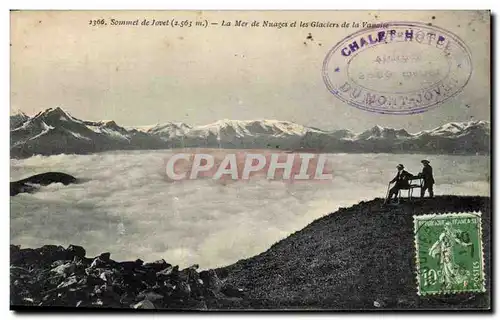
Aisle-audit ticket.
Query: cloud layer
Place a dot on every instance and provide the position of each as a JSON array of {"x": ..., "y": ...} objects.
[{"x": 127, "y": 206}]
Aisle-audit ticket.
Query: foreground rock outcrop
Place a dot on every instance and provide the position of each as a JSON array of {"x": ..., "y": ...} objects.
[{"x": 58, "y": 277}]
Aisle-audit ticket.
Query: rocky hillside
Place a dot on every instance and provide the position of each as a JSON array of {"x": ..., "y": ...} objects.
[
  {"x": 362, "y": 257},
  {"x": 52, "y": 276}
]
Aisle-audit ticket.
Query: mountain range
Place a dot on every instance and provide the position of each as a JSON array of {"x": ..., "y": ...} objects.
[{"x": 55, "y": 131}]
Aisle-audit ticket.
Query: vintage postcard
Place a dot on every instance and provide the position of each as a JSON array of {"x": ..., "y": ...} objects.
[{"x": 250, "y": 160}]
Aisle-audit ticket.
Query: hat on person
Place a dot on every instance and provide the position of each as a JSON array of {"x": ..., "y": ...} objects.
[
  {"x": 400, "y": 166},
  {"x": 425, "y": 161}
]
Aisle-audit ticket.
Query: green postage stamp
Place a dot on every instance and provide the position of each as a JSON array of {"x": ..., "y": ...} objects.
[{"x": 449, "y": 253}]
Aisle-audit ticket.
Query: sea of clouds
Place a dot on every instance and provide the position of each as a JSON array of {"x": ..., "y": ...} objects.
[{"x": 127, "y": 206}]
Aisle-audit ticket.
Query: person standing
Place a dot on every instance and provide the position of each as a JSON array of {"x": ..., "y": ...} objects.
[{"x": 426, "y": 174}]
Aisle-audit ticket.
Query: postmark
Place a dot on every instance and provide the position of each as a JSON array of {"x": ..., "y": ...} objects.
[
  {"x": 401, "y": 68},
  {"x": 449, "y": 253}
]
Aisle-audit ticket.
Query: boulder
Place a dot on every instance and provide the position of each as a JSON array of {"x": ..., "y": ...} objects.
[
  {"x": 98, "y": 263},
  {"x": 211, "y": 280},
  {"x": 165, "y": 272},
  {"x": 150, "y": 295},
  {"x": 144, "y": 304},
  {"x": 157, "y": 265},
  {"x": 54, "y": 281},
  {"x": 106, "y": 276},
  {"x": 165, "y": 288},
  {"x": 193, "y": 267},
  {"x": 83, "y": 261},
  {"x": 92, "y": 280},
  {"x": 68, "y": 282},
  {"x": 182, "y": 290},
  {"x": 131, "y": 265},
  {"x": 58, "y": 263},
  {"x": 25, "y": 257},
  {"x": 193, "y": 278},
  {"x": 75, "y": 251},
  {"x": 51, "y": 253},
  {"x": 64, "y": 269},
  {"x": 105, "y": 256},
  {"x": 107, "y": 293}
]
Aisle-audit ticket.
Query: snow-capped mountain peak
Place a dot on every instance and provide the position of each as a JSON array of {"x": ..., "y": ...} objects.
[
  {"x": 457, "y": 128},
  {"x": 17, "y": 118},
  {"x": 169, "y": 129},
  {"x": 252, "y": 128},
  {"x": 55, "y": 115},
  {"x": 378, "y": 132},
  {"x": 18, "y": 112}
]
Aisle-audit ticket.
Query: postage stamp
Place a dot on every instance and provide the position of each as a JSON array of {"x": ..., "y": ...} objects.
[
  {"x": 449, "y": 253},
  {"x": 398, "y": 68}
]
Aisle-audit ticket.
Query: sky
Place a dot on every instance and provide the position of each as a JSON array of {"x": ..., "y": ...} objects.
[{"x": 144, "y": 75}]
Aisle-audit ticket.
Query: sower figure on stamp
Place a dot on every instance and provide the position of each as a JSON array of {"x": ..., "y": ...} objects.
[
  {"x": 401, "y": 179},
  {"x": 442, "y": 249},
  {"x": 426, "y": 174}
]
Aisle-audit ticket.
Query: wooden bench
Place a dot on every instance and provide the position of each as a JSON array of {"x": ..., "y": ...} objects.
[{"x": 409, "y": 189}]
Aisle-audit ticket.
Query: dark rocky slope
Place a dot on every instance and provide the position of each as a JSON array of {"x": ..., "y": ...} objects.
[
  {"x": 52, "y": 276},
  {"x": 356, "y": 258}
]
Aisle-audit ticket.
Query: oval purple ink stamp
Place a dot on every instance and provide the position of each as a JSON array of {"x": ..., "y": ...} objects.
[{"x": 403, "y": 68}]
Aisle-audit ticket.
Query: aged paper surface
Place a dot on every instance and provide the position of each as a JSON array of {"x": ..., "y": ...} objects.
[{"x": 250, "y": 160}]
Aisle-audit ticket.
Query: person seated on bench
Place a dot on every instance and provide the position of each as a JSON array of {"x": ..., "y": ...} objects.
[{"x": 401, "y": 179}]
